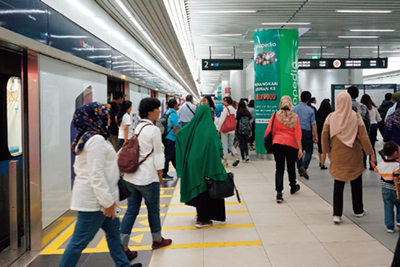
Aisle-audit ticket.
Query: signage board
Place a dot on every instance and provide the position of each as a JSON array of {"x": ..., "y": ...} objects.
[
  {"x": 222, "y": 64},
  {"x": 343, "y": 63}
]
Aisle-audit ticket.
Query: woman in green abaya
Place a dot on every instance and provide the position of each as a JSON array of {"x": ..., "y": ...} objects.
[{"x": 198, "y": 155}]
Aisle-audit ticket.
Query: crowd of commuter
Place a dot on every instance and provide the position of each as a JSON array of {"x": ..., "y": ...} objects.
[{"x": 201, "y": 137}]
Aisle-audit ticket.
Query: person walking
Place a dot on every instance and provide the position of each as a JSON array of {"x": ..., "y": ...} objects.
[
  {"x": 243, "y": 129},
  {"x": 324, "y": 110},
  {"x": 287, "y": 145},
  {"x": 125, "y": 123},
  {"x": 95, "y": 189},
  {"x": 359, "y": 107},
  {"x": 374, "y": 118},
  {"x": 392, "y": 126},
  {"x": 344, "y": 138},
  {"x": 145, "y": 182},
  {"x": 118, "y": 98},
  {"x": 253, "y": 125},
  {"x": 198, "y": 148},
  {"x": 386, "y": 104},
  {"x": 308, "y": 132},
  {"x": 186, "y": 111},
  {"x": 169, "y": 141},
  {"x": 228, "y": 137}
]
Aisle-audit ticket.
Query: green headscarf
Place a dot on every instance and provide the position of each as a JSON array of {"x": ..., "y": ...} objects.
[{"x": 198, "y": 154}]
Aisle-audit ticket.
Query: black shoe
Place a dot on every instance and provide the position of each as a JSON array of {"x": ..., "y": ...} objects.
[
  {"x": 279, "y": 198},
  {"x": 323, "y": 167},
  {"x": 303, "y": 172},
  {"x": 168, "y": 177},
  {"x": 295, "y": 189},
  {"x": 136, "y": 265}
]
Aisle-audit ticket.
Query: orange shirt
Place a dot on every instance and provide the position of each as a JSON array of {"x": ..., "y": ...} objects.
[{"x": 284, "y": 135}]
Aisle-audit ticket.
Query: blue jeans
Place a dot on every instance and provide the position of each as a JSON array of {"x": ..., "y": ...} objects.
[
  {"x": 87, "y": 225},
  {"x": 389, "y": 202},
  {"x": 151, "y": 195},
  {"x": 121, "y": 142},
  {"x": 307, "y": 145},
  {"x": 227, "y": 143}
]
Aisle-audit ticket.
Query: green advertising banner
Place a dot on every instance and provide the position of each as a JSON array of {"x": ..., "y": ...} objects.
[
  {"x": 219, "y": 96},
  {"x": 275, "y": 67}
]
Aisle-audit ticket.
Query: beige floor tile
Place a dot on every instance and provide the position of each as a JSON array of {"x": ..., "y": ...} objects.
[
  {"x": 299, "y": 255},
  {"x": 185, "y": 236},
  {"x": 251, "y": 256},
  {"x": 230, "y": 234},
  {"x": 193, "y": 257},
  {"x": 289, "y": 234},
  {"x": 362, "y": 253},
  {"x": 320, "y": 217},
  {"x": 172, "y": 221},
  {"x": 343, "y": 232},
  {"x": 284, "y": 219}
]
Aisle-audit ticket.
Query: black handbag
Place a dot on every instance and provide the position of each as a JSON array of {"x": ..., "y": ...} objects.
[
  {"x": 124, "y": 192},
  {"x": 222, "y": 189},
  {"x": 269, "y": 137}
]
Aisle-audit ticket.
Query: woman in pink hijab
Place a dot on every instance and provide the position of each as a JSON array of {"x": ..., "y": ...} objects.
[{"x": 344, "y": 138}]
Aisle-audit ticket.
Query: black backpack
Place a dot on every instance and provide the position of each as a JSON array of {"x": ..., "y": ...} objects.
[
  {"x": 244, "y": 125},
  {"x": 162, "y": 124}
]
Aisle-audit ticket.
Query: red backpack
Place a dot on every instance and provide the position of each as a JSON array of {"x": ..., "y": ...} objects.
[{"x": 128, "y": 158}]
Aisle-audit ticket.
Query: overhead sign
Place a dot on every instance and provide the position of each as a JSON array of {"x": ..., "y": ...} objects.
[
  {"x": 222, "y": 64},
  {"x": 315, "y": 57},
  {"x": 344, "y": 63}
]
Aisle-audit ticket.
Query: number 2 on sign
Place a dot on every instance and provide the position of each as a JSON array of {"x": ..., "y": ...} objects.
[{"x": 206, "y": 64}]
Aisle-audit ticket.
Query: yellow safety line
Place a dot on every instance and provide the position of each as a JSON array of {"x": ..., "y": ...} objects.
[
  {"x": 173, "y": 228},
  {"x": 65, "y": 222},
  {"x": 60, "y": 240},
  {"x": 173, "y": 246},
  {"x": 189, "y": 213},
  {"x": 169, "y": 188},
  {"x": 182, "y": 205}
]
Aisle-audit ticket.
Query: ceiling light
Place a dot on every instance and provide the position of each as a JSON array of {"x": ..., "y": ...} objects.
[
  {"x": 360, "y": 47},
  {"x": 377, "y": 30},
  {"x": 287, "y": 23},
  {"x": 324, "y": 54},
  {"x": 220, "y": 55},
  {"x": 358, "y": 37},
  {"x": 223, "y": 35},
  {"x": 227, "y": 11},
  {"x": 386, "y": 52},
  {"x": 251, "y": 41},
  {"x": 310, "y": 47},
  {"x": 248, "y": 52},
  {"x": 363, "y": 11}
]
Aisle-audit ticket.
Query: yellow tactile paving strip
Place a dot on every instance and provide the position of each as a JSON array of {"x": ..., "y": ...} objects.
[{"x": 58, "y": 245}]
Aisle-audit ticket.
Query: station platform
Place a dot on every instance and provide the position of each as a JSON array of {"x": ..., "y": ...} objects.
[{"x": 258, "y": 231}]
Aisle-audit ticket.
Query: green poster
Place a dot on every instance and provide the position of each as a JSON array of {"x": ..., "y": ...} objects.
[
  {"x": 219, "y": 92},
  {"x": 275, "y": 67}
]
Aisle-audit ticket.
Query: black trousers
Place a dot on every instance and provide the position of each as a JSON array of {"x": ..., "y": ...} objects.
[
  {"x": 169, "y": 151},
  {"x": 282, "y": 153},
  {"x": 253, "y": 133},
  {"x": 244, "y": 148},
  {"x": 356, "y": 196},
  {"x": 208, "y": 208}
]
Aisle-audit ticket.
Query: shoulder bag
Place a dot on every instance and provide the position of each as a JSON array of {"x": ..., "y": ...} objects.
[
  {"x": 222, "y": 189},
  {"x": 229, "y": 124},
  {"x": 269, "y": 137}
]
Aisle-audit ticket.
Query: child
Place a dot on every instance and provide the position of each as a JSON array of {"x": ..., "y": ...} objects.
[{"x": 389, "y": 172}]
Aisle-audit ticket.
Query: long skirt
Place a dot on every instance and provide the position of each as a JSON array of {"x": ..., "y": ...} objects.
[{"x": 208, "y": 208}]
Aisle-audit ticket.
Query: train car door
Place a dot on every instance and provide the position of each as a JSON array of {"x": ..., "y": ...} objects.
[{"x": 13, "y": 222}]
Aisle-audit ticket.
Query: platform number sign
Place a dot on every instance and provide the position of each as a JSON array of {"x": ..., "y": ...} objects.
[{"x": 222, "y": 64}]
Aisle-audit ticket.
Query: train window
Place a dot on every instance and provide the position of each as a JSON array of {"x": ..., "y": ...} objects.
[{"x": 14, "y": 117}]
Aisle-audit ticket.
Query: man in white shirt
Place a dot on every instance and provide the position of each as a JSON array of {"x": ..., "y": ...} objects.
[{"x": 187, "y": 111}]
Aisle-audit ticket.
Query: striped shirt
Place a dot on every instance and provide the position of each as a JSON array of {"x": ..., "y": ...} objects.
[{"x": 386, "y": 169}]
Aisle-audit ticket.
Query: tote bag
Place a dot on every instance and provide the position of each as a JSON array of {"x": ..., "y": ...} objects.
[{"x": 229, "y": 124}]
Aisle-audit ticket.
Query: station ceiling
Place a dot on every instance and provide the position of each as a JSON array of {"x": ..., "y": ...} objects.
[{"x": 224, "y": 24}]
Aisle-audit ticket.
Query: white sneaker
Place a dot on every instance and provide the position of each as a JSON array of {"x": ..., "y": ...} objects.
[
  {"x": 243, "y": 161},
  {"x": 337, "y": 219},
  {"x": 361, "y": 214},
  {"x": 247, "y": 158}
]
